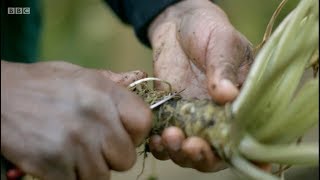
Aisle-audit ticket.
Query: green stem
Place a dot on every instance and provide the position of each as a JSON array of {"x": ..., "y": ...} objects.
[
  {"x": 278, "y": 67},
  {"x": 247, "y": 96},
  {"x": 299, "y": 116},
  {"x": 282, "y": 154},
  {"x": 246, "y": 168}
]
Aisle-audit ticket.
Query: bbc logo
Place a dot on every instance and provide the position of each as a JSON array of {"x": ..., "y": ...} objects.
[{"x": 18, "y": 10}]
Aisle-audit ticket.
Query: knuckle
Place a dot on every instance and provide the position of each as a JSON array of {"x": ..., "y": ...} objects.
[
  {"x": 74, "y": 134},
  {"x": 86, "y": 102},
  {"x": 91, "y": 98},
  {"x": 91, "y": 77}
]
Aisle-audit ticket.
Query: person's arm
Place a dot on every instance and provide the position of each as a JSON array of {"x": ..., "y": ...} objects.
[{"x": 139, "y": 14}]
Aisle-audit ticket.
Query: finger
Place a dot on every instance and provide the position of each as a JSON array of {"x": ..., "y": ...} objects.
[
  {"x": 124, "y": 78},
  {"x": 48, "y": 171},
  {"x": 172, "y": 139},
  {"x": 58, "y": 174},
  {"x": 90, "y": 163},
  {"x": 135, "y": 115},
  {"x": 15, "y": 173},
  {"x": 119, "y": 152},
  {"x": 226, "y": 52},
  {"x": 117, "y": 146},
  {"x": 201, "y": 154},
  {"x": 157, "y": 149}
]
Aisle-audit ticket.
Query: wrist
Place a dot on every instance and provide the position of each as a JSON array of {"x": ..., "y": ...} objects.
[
  {"x": 11, "y": 73},
  {"x": 5, "y": 66},
  {"x": 8, "y": 71},
  {"x": 5, "y": 70}
]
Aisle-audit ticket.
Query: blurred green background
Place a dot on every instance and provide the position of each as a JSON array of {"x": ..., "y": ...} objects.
[{"x": 89, "y": 34}]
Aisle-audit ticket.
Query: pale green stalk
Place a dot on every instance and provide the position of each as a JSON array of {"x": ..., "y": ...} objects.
[
  {"x": 266, "y": 109},
  {"x": 281, "y": 80},
  {"x": 284, "y": 78},
  {"x": 278, "y": 67},
  {"x": 282, "y": 154},
  {"x": 249, "y": 170},
  {"x": 248, "y": 96},
  {"x": 301, "y": 114},
  {"x": 249, "y": 93}
]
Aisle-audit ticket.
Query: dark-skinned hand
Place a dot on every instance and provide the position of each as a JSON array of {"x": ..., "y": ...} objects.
[
  {"x": 196, "y": 48},
  {"x": 62, "y": 121}
]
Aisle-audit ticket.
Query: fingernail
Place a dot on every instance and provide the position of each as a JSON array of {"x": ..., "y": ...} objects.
[{"x": 228, "y": 85}]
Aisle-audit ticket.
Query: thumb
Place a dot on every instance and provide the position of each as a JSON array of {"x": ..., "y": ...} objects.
[
  {"x": 124, "y": 78},
  {"x": 220, "y": 85},
  {"x": 227, "y": 51}
]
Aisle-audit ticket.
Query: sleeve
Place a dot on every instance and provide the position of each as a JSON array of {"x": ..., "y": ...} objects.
[
  {"x": 139, "y": 14},
  {"x": 20, "y": 32}
]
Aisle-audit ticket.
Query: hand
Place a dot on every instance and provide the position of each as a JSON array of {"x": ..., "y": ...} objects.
[
  {"x": 197, "y": 49},
  {"x": 62, "y": 121}
]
